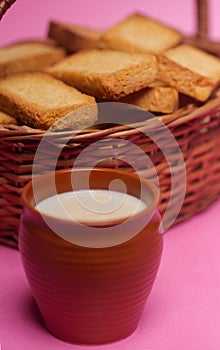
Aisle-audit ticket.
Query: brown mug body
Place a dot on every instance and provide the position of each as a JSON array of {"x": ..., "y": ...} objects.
[{"x": 86, "y": 294}]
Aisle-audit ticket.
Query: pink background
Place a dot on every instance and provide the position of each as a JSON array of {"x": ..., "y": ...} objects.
[
  {"x": 28, "y": 18},
  {"x": 183, "y": 311}
]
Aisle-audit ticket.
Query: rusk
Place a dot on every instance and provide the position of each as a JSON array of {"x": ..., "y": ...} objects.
[
  {"x": 138, "y": 33},
  {"x": 106, "y": 74},
  {"x": 190, "y": 70},
  {"x": 73, "y": 38},
  {"x": 39, "y": 100},
  {"x": 156, "y": 99},
  {"x": 7, "y": 119},
  {"x": 28, "y": 56}
]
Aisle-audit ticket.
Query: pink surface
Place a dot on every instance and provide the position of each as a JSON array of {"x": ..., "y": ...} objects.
[{"x": 183, "y": 311}]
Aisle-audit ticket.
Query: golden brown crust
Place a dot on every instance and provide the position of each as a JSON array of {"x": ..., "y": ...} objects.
[
  {"x": 74, "y": 38},
  {"x": 39, "y": 100},
  {"x": 106, "y": 74},
  {"x": 156, "y": 99},
  {"x": 28, "y": 56}
]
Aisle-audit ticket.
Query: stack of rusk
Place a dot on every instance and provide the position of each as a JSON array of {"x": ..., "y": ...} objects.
[{"x": 139, "y": 61}]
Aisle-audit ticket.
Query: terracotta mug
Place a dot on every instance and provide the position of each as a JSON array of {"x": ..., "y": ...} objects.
[{"x": 90, "y": 294}]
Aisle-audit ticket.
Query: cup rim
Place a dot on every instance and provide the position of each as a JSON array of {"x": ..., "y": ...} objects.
[{"x": 148, "y": 210}]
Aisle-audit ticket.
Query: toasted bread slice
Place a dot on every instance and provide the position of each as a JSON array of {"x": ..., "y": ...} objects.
[
  {"x": 107, "y": 74},
  {"x": 7, "y": 119},
  {"x": 74, "y": 38},
  {"x": 39, "y": 100},
  {"x": 190, "y": 70},
  {"x": 156, "y": 99},
  {"x": 138, "y": 33},
  {"x": 28, "y": 56}
]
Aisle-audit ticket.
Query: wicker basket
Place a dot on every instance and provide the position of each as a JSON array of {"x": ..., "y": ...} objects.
[{"x": 195, "y": 127}]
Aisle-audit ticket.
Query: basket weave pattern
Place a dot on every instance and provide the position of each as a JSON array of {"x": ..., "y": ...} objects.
[{"x": 196, "y": 130}]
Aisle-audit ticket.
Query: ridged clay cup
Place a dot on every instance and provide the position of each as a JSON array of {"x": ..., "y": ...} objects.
[{"x": 91, "y": 294}]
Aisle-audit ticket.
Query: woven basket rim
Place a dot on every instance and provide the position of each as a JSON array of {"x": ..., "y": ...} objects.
[{"x": 187, "y": 113}]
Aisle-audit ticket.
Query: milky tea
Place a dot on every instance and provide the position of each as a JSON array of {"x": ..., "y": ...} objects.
[{"x": 91, "y": 205}]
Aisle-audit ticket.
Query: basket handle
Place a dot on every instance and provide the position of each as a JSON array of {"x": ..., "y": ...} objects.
[
  {"x": 201, "y": 9},
  {"x": 4, "y": 6},
  {"x": 202, "y": 19}
]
